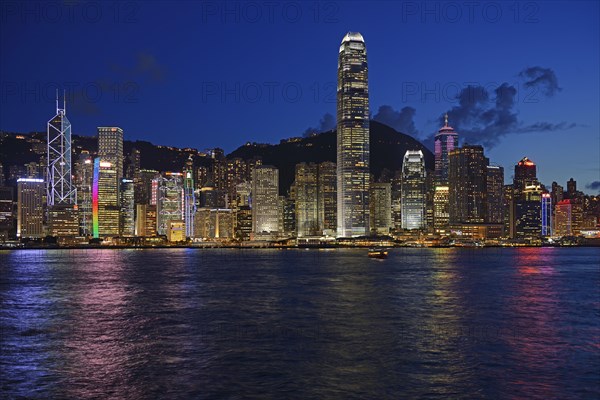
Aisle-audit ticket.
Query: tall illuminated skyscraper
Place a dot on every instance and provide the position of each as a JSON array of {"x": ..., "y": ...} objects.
[
  {"x": 265, "y": 199},
  {"x": 467, "y": 179},
  {"x": 413, "y": 190},
  {"x": 445, "y": 141},
  {"x": 189, "y": 198},
  {"x": 105, "y": 200},
  {"x": 169, "y": 200},
  {"x": 30, "y": 214},
  {"x": 110, "y": 148},
  {"x": 59, "y": 187},
  {"x": 127, "y": 208},
  {"x": 352, "y": 138}
]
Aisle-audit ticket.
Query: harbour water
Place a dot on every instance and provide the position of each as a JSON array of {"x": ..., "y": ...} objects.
[{"x": 302, "y": 324}]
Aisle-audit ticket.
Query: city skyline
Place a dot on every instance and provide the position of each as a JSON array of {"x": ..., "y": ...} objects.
[{"x": 549, "y": 107}]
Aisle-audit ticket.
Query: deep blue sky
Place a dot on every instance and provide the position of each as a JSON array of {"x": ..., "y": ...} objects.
[{"x": 159, "y": 70}]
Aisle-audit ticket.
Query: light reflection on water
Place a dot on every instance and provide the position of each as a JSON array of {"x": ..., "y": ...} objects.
[{"x": 442, "y": 323}]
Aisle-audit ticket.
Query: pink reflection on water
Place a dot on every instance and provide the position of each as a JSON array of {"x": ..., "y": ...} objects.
[{"x": 97, "y": 349}]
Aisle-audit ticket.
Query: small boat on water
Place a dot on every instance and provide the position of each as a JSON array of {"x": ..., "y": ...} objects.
[{"x": 378, "y": 253}]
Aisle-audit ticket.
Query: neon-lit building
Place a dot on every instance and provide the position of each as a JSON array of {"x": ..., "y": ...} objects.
[
  {"x": 546, "y": 214},
  {"x": 105, "y": 200},
  {"x": 353, "y": 156},
  {"x": 30, "y": 211}
]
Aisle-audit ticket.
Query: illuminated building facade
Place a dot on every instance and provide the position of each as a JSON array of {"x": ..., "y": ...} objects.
[
  {"x": 495, "y": 194},
  {"x": 380, "y": 197},
  {"x": 327, "y": 197},
  {"x": 563, "y": 221},
  {"x": 307, "y": 210},
  {"x": 145, "y": 220},
  {"x": 175, "y": 231},
  {"x": 60, "y": 189},
  {"x": 441, "y": 215},
  {"x": 169, "y": 200},
  {"x": 528, "y": 209},
  {"x": 110, "y": 147},
  {"x": 265, "y": 198},
  {"x": 127, "y": 206},
  {"x": 352, "y": 138},
  {"x": 63, "y": 220},
  {"x": 189, "y": 198},
  {"x": 413, "y": 190},
  {"x": 105, "y": 200},
  {"x": 546, "y": 214},
  {"x": 6, "y": 211},
  {"x": 445, "y": 141},
  {"x": 30, "y": 211},
  {"x": 215, "y": 223},
  {"x": 84, "y": 173},
  {"x": 467, "y": 178}
]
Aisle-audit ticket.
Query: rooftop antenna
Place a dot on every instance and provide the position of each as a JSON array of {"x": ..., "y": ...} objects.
[
  {"x": 446, "y": 119},
  {"x": 57, "y": 100},
  {"x": 65, "y": 101}
]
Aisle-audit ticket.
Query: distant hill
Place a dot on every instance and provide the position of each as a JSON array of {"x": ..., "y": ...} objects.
[{"x": 387, "y": 151}]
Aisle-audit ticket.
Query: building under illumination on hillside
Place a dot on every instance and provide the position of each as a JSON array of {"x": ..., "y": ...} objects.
[{"x": 352, "y": 138}]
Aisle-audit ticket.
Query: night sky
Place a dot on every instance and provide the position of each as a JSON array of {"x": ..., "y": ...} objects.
[{"x": 522, "y": 78}]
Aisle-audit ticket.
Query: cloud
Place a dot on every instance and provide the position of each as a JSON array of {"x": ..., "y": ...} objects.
[
  {"x": 326, "y": 123},
  {"x": 542, "y": 78},
  {"x": 146, "y": 68},
  {"x": 402, "y": 121},
  {"x": 593, "y": 185},
  {"x": 485, "y": 118}
]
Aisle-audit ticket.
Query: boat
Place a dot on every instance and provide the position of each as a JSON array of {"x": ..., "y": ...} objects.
[{"x": 378, "y": 253}]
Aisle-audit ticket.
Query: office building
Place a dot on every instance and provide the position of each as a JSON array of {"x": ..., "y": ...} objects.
[
  {"x": 380, "y": 197},
  {"x": 413, "y": 190},
  {"x": 127, "y": 208},
  {"x": 105, "y": 200},
  {"x": 265, "y": 198},
  {"x": 352, "y": 138},
  {"x": 467, "y": 184},
  {"x": 30, "y": 211}
]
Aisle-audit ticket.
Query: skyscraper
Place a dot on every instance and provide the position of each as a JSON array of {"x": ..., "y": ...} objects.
[
  {"x": 6, "y": 212},
  {"x": 467, "y": 178},
  {"x": 105, "y": 200},
  {"x": 413, "y": 190},
  {"x": 60, "y": 189},
  {"x": 352, "y": 138},
  {"x": 445, "y": 141},
  {"x": 189, "y": 198},
  {"x": 84, "y": 173},
  {"x": 265, "y": 199},
  {"x": 127, "y": 208},
  {"x": 327, "y": 198},
  {"x": 307, "y": 211},
  {"x": 525, "y": 175},
  {"x": 110, "y": 148},
  {"x": 547, "y": 214},
  {"x": 30, "y": 212},
  {"x": 528, "y": 209},
  {"x": 381, "y": 208},
  {"x": 169, "y": 200},
  {"x": 495, "y": 194}
]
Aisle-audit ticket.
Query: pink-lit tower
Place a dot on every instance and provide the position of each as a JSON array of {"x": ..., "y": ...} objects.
[{"x": 446, "y": 140}]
